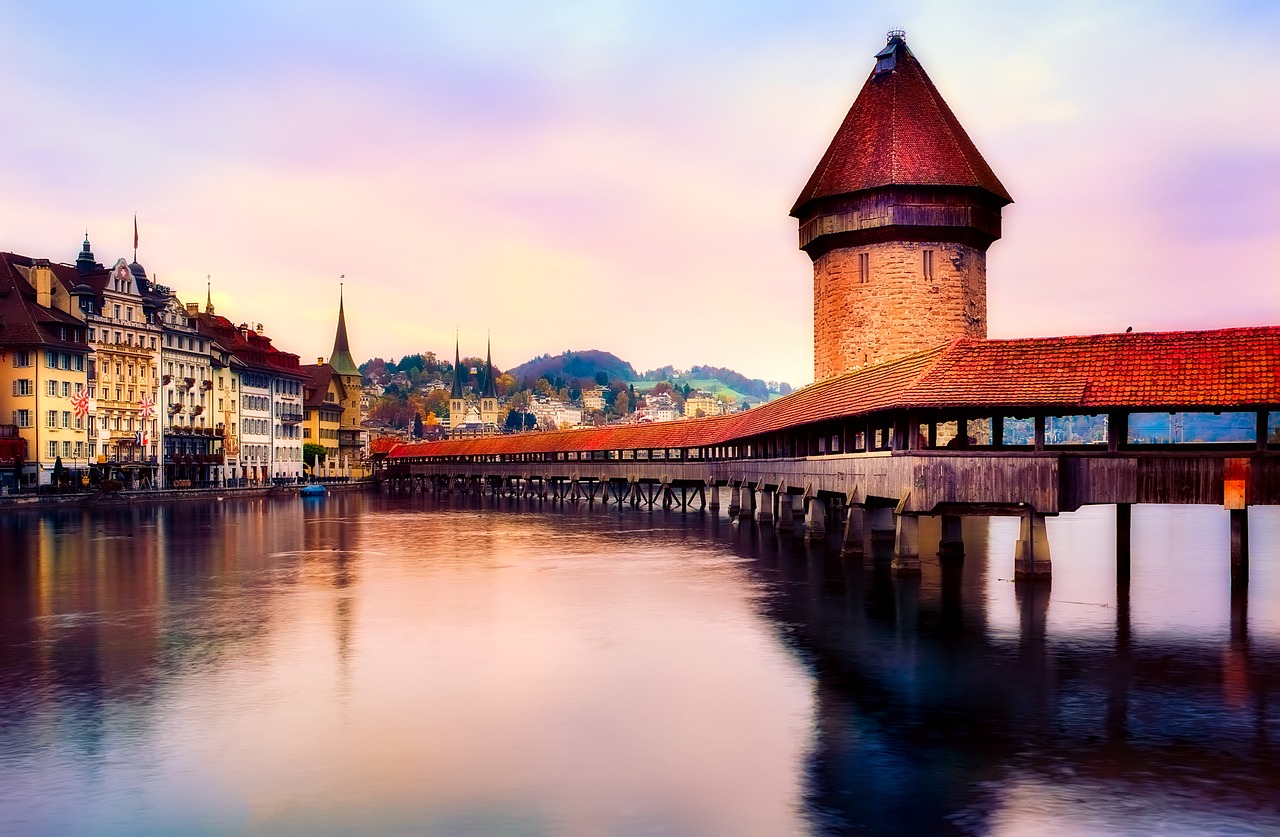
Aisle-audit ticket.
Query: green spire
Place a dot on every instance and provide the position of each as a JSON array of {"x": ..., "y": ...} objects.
[{"x": 340, "y": 359}]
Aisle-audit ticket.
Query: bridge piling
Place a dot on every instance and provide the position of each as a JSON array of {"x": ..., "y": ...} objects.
[
  {"x": 786, "y": 521},
  {"x": 1124, "y": 542},
  {"x": 713, "y": 498},
  {"x": 906, "y": 545},
  {"x": 1031, "y": 555},
  {"x": 735, "y": 500},
  {"x": 815, "y": 522},
  {"x": 1240, "y": 548},
  {"x": 951, "y": 544},
  {"x": 747, "y": 511},
  {"x": 854, "y": 532},
  {"x": 766, "y": 507}
]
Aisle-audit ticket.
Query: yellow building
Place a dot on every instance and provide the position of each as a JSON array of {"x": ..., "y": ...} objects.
[
  {"x": 44, "y": 358},
  {"x": 323, "y": 412}
]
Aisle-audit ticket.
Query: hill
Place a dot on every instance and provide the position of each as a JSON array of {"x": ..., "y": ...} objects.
[{"x": 574, "y": 366}]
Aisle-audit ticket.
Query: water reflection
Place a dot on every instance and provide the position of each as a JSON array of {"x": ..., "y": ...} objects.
[{"x": 477, "y": 666}]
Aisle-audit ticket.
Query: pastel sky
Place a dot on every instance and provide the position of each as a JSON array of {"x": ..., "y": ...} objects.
[{"x": 617, "y": 175}]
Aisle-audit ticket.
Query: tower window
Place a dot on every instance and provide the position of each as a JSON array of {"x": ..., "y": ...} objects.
[
  {"x": 864, "y": 268},
  {"x": 928, "y": 264}
]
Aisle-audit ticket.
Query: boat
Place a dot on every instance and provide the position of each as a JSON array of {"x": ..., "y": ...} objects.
[{"x": 313, "y": 490}]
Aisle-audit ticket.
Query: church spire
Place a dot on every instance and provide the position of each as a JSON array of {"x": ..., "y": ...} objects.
[
  {"x": 457, "y": 370},
  {"x": 340, "y": 358},
  {"x": 489, "y": 390}
]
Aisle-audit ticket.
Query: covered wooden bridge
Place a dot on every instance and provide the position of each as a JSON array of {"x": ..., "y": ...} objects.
[{"x": 1030, "y": 427}]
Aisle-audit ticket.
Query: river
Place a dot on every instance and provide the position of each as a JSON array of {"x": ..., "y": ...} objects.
[{"x": 422, "y": 664}]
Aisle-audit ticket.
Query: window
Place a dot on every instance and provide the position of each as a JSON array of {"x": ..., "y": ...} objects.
[
  {"x": 66, "y": 448},
  {"x": 153, "y": 342},
  {"x": 66, "y": 389},
  {"x": 51, "y": 360},
  {"x": 128, "y": 313},
  {"x": 51, "y": 388},
  {"x": 928, "y": 263},
  {"x": 92, "y": 334},
  {"x": 864, "y": 268},
  {"x": 53, "y": 418},
  {"x": 21, "y": 359},
  {"x": 22, "y": 418},
  {"x": 53, "y": 449},
  {"x": 117, "y": 316},
  {"x": 24, "y": 386},
  {"x": 66, "y": 419},
  {"x": 77, "y": 363},
  {"x": 64, "y": 361}
]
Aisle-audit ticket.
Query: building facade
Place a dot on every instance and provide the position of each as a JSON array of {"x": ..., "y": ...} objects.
[{"x": 44, "y": 363}]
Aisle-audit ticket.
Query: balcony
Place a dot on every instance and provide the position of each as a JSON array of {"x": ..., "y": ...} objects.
[
  {"x": 186, "y": 383},
  {"x": 291, "y": 417},
  {"x": 174, "y": 409}
]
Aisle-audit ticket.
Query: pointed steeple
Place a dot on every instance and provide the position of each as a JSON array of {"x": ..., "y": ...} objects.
[
  {"x": 208, "y": 298},
  {"x": 340, "y": 359},
  {"x": 488, "y": 389},
  {"x": 456, "y": 392}
]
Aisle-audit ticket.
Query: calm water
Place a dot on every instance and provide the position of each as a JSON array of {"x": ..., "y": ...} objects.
[{"x": 376, "y": 664}]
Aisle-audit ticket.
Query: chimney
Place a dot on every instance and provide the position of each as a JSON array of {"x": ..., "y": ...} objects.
[
  {"x": 193, "y": 308},
  {"x": 259, "y": 329},
  {"x": 42, "y": 277},
  {"x": 319, "y": 361}
]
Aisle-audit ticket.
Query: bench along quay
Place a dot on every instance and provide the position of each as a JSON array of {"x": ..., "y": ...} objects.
[{"x": 1032, "y": 428}]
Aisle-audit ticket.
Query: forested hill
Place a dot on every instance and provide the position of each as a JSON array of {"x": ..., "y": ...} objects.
[{"x": 575, "y": 366}]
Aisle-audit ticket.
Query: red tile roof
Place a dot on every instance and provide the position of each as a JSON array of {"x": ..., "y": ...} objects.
[
  {"x": 899, "y": 132},
  {"x": 23, "y": 322},
  {"x": 1236, "y": 368}
]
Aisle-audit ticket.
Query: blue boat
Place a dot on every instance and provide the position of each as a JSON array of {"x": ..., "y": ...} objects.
[{"x": 312, "y": 490}]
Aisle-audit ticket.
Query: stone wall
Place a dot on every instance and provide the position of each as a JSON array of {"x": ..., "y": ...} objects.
[{"x": 898, "y": 310}]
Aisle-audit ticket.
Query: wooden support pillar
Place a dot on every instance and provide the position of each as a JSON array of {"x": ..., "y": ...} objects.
[
  {"x": 1124, "y": 542},
  {"x": 713, "y": 497},
  {"x": 815, "y": 522},
  {"x": 906, "y": 545},
  {"x": 1117, "y": 430},
  {"x": 748, "y": 498},
  {"x": 1239, "y": 548},
  {"x": 1031, "y": 556},
  {"x": 766, "y": 506},
  {"x": 951, "y": 544},
  {"x": 853, "y": 542}
]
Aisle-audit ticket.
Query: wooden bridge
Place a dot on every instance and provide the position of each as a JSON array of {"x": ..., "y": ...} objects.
[{"x": 976, "y": 427}]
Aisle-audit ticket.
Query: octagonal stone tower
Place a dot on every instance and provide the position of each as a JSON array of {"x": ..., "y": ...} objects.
[{"x": 897, "y": 218}]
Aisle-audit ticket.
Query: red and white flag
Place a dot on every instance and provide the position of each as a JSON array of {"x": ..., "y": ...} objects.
[{"x": 80, "y": 403}]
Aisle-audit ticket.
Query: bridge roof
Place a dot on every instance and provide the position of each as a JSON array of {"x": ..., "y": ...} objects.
[{"x": 1236, "y": 368}]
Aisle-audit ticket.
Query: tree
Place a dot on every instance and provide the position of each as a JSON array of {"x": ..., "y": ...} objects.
[
  {"x": 417, "y": 425},
  {"x": 311, "y": 452},
  {"x": 437, "y": 401},
  {"x": 602, "y": 378},
  {"x": 622, "y": 403},
  {"x": 504, "y": 384}
]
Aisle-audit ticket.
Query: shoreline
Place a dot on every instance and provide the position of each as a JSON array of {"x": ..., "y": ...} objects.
[{"x": 175, "y": 495}]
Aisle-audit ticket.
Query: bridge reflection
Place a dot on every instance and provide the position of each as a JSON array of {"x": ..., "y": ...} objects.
[{"x": 931, "y": 720}]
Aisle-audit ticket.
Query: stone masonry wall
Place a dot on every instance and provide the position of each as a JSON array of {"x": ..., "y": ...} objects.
[{"x": 898, "y": 310}]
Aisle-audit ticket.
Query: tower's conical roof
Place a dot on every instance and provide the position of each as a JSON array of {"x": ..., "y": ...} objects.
[
  {"x": 340, "y": 359},
  {"x": 899, "y": 132}
]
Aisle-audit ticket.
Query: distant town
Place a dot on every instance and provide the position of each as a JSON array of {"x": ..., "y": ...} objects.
[{"x": 108, "y": 380}]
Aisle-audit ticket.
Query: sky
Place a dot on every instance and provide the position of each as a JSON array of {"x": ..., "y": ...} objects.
[{"x": 607, "y": 175}]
